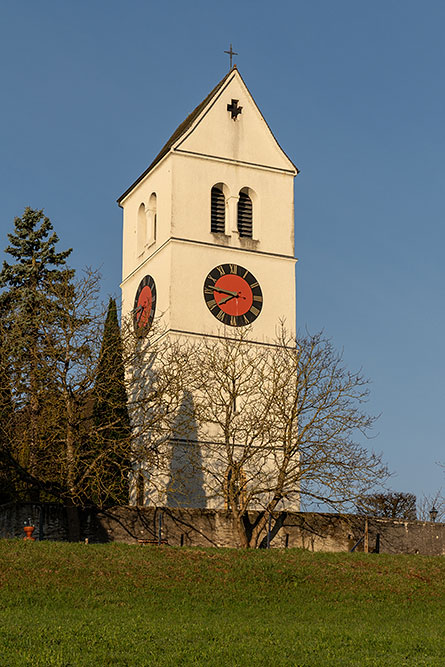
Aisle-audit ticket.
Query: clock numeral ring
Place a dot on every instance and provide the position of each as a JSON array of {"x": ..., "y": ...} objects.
[{"x": 233, "y": 295}]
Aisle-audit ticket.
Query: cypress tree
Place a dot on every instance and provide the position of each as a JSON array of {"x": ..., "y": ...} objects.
[{"x": 111, "y": 420}]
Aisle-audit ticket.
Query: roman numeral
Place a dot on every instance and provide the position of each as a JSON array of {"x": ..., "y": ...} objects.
[
  {"x": 208, "y": 290},
  {"x": 254, "y": 310},
  {"x": 233, "y": 268},
  {"x": 253, "y": 285},
  {"x": 221, "y": 271},
  {"x": 220, "y": 316}
]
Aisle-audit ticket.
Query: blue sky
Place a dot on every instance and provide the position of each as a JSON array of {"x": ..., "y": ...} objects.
[{"x": 354, "y": 93}]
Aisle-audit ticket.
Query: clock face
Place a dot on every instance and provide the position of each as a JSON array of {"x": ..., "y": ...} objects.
[
  {"x": 144, "y": 305},
  {"x": 233, "y": 295}
]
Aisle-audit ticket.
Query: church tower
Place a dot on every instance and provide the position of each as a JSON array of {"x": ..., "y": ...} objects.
[{"x": 208, "y": 235}]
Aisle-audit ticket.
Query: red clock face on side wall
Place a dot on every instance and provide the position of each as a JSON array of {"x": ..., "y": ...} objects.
[
  {"x": 144, "y": 305},
  {"x": 233, "y": 295}
]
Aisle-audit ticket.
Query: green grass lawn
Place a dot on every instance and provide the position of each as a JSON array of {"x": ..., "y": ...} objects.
[{"x": 116, "y": 604}]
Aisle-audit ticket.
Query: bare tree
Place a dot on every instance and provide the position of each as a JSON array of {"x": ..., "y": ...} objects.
[
  {"x": 65, "y": 461},
  {"x": 64, "y": 433},
  {"x": 157, "y": 381},
  {"x": 428, "y": 502},
  {"x": 278, "y": 423},
  {"x": 225, "y": 421},
  {"x": 82, "y": 455}
]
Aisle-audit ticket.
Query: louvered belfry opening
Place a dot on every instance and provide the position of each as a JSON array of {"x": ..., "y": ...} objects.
[
  {"x": 218, "y": 211},
  {"x": 245, "y": 215}
]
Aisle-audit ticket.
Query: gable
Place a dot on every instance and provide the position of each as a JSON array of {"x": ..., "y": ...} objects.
[
  {"x": 246, "y": 139},
  {"x": 210, "y": 131}
]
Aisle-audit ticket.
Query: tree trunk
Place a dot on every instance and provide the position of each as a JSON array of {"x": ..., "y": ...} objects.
[
  {"x": 70, "y": 445},
  {"x": 242, "y": 531},
  {"x": 72, "y": 512},
  {"x": 73, "y": 522},
  {"x": 34, "y": 407}
]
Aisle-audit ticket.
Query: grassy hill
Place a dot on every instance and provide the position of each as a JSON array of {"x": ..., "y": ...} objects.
[{"x": 76, "y": 604}]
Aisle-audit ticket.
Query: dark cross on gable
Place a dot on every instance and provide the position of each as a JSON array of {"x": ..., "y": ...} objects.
[
  {"x": 231, "y": 53},
  {"x": 234, "y": 109}
]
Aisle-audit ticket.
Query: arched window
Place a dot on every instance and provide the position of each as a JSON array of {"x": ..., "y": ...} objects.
[
  {"x": 142, "y": 228},
  {"x": 152, "y": 218},
  {"x": 217, "y": 210},
  {"x": 244, "y": 217}
]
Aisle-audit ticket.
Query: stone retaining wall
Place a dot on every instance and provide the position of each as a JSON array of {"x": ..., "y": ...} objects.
[{"x": 182, "y": 527}]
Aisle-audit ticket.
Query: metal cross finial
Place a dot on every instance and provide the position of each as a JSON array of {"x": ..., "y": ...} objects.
[{"x": 231, "y": 53}]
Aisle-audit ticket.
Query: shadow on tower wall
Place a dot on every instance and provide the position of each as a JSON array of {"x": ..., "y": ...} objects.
[{"x": 186, "y": 479}]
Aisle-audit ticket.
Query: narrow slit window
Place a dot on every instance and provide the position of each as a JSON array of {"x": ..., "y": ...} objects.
[
  {"x": 245, "y": 215},
  {"x": 218, "y": 211}
]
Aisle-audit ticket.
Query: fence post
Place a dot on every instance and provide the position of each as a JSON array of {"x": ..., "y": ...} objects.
[
  {"x": 160, "y": 529},
  {"x": 268, "y": 531}
]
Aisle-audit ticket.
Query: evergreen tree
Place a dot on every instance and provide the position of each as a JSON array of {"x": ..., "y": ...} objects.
[
  {"x": 70, "y": 437},
  {"x": 111, "y": 420},
  {"x": 389, "y": 504},
  {"x": 7, "y": 480},
  {"x": 6, "y": 406},
  {"x": 28, "y": 301}
]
